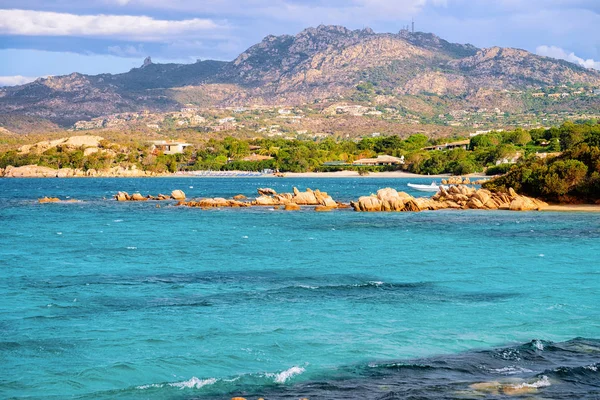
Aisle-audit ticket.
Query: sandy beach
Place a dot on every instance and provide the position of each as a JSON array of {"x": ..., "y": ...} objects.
[
  {"x": 573, "y": 207},
  {"x": 379, "y": 175}
]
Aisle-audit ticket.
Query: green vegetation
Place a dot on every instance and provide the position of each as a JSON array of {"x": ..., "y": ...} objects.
[{"x": 571, "y": 177}]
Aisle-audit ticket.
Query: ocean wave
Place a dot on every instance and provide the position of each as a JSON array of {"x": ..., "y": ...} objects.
[
  {"x": 194, "y": 383},
  {"x": 225, "y": 384},
  {"x": 286, "y": 375},
  {"x": 542, "y": 382},
  {"x": 511, "y": 370}
]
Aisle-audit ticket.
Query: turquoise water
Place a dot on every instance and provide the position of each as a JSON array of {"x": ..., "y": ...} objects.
[{"x": 125, "y": 300}]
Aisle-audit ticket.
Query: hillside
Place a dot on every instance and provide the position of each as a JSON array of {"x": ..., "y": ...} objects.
[{"x": 327, "y": 63}]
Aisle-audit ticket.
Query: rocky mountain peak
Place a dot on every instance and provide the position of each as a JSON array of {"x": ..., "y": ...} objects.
[{"x": 147, "y": 61}]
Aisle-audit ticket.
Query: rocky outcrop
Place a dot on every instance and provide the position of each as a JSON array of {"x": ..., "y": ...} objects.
[
  {"x": 266, "y": 192},
  {"x": 36, "y": 171},
  {"x": 387, "y": 199},
  {"x": 469, "y": 198},
  {"x": 456, "y": 197},
  {"x": 313, "y": 198},
  {"x": 175, "y": 195},
  {"x": 70, "y": 143},
  {"x": 307, "y": 198},
  {"x": 29, "y": 171},
  {"x": 456, "y": 180}
]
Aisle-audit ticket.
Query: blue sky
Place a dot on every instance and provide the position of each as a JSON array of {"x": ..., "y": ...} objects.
[{"x": 46, "y": 37}]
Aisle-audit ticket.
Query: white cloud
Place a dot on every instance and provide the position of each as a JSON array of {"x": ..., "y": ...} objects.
[
  {"x": 557, "y": 52},
  {"x": 141, "y": 28},
  {"x": 15, "y": 80}
]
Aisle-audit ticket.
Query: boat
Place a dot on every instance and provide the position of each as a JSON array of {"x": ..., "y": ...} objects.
[{"x": 433, "y": 187}]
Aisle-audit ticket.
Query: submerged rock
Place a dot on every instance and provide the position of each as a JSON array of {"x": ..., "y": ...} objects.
[
  {"x": 216, "y": 202},
  {"x": 292, "y": 207},
  {"x": 49, "y": 200}
]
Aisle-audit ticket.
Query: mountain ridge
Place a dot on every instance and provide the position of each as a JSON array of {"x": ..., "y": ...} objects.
[{"x": 324, "y": 62}]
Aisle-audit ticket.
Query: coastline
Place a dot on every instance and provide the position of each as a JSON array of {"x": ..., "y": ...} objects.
[
  {"x": 573, "y": 208},
  {"x": 34, "y": 171}
]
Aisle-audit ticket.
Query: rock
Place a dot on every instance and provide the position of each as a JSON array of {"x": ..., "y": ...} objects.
[
  {"x": 491, "y": 204},
  {"x": 138, "y": 197},
  {"x": 178, "y": 195},
  {"x": 238, "y": 398},
  {"x": 307, "y": 198},
  {"x": 49, "y": 200},
  {"x": 451, "y": 204},
  {"x": 266, "y": 192},
  {"x": 122, "y": 196},
  {"x": 240, "y": 197},
  {"x": 482, "y": 195},
  {"x": 524, "y": 203},
  {"x": 90, "y": 150},
  {"x": 29, "y": 171},
  {"x": 474, "y": 204},
  {"x": 367, "y": 203},
  {"x": 292, "y": 207},
  {"x": 323, "y": 209},
  {"x": 411, "y": 205},
  {"x": 265, "y": 201},
  {"x": 65, "y": 173},
  {"x": 512, "y": 194},
  {"x": 487, "y": 387}
]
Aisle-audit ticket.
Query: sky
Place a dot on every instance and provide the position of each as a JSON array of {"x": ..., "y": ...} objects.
[{"x": 39, "y": 38}]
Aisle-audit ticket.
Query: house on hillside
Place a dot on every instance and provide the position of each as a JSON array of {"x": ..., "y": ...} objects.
[
  {"x": 380, "y": 160},
  {"x": 169, "y": 147},
  {"x": 463, "y": 144}
]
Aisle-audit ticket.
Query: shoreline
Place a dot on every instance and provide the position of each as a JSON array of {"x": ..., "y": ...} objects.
[
  {"x": 31, "y": 171},
  {"x": 573, "y": 208}
]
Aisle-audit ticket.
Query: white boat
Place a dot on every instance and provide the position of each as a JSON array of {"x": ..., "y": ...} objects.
[{"x": 434, "y": 187}]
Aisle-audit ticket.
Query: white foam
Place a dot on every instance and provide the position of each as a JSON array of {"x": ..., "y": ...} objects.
[
  {"x": 592, "y": 367},
  {"x": 286, "y": 375},
  {"x": 118, "y": 220},
  {"x": 543, "y": 382},
  {"x": 376, "y": 283},
  {"x": 59, "y": 233},
  {"x": 244, "y": 237},
  {"x": 511, "y": 370},
  {"x": 131, "y": 248},
  {"x": 153, "y": 385},
  {"x": 541, "y": 255},
  {"x": 308, "y": 287},
  {"x": 538, "y": 345},
  {"x": 194, "y": 383}
]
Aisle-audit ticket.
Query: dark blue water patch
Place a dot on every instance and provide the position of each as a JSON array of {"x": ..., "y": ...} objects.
[{"x": 567, "y": 370}]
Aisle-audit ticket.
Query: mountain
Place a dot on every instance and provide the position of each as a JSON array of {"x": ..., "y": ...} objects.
[{"x": 327, "y": 62}]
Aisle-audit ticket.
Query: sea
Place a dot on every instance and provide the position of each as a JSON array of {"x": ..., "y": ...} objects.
[{"x": 145, "y": 300}]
